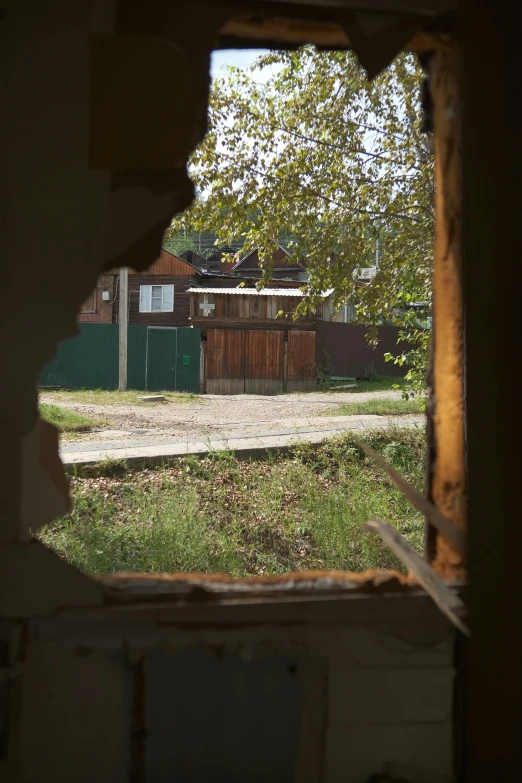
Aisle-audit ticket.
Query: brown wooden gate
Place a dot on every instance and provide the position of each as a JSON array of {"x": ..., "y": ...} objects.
[
  {"x": 225, "y": 365},
  {"x": 264, "y": 366},
  {"x": 301, "y": 373},
  {"x": 244, "y": 361}
]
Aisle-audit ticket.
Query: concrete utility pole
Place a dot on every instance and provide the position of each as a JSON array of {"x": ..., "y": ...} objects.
[{"x": 123, "y": 320}]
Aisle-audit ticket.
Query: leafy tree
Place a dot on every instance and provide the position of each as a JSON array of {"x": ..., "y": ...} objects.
[
  {"x": 179, "y": 243},
  {"x": 315, "y": 153}
]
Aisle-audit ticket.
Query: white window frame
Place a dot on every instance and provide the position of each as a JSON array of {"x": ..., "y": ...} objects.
[{"x": 167, "y": 298}]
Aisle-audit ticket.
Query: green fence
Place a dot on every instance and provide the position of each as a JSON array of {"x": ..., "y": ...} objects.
[{"x": 159, "y": 358}]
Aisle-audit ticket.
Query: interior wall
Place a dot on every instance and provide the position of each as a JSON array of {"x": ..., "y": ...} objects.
[
  {"x": 151, "y": 698},
  {"x": 492, "y": 198},
  {"x": 93, "y": 168}
]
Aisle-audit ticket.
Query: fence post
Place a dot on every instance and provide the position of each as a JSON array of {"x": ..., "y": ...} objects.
[
  {"x": 123, "y": 321},
  {"x": 285, "y": 364}
]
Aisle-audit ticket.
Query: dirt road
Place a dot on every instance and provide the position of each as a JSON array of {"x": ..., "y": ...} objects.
[{"x": 215, "y": 415}]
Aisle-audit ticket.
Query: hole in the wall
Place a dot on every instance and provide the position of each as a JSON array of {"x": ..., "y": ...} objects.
[{"x": 112, "y": 493}]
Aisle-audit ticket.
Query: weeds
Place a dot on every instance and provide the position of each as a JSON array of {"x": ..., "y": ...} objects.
[
  {"x": 379, "y": 383},
  {"x": 116, "y": 397},
  {"x": 67, "y": 420},
  {"x": 303, "y": 511},
  {"x": 379, "y": 408}
]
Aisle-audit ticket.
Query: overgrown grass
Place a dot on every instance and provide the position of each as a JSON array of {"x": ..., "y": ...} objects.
[
  {"x": 115, "y": 397},
  {"x": 380, "y": 383},
  {"x": 67, "y": 420},
  {"x": 304, "y": 511},
  {"x": 379, "y": 408},
  {"x": 377, "y": 383}
]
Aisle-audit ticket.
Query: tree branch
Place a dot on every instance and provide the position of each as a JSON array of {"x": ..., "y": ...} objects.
[
  {"x": 315, "y": 194},
  {"x": 320, "y": 142}
]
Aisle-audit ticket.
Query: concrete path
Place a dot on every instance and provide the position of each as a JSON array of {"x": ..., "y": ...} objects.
[{"x": 242, "y": 444}]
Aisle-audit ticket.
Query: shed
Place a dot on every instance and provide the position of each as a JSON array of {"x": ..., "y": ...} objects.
[{"x": 240, "y": 307}]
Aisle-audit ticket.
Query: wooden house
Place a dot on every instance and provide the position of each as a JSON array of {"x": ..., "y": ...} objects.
[
  {"x": 251, "y": 342},
  {"x": 98, "y": 308},
  {"x": 212, "y": 263},
  {"x": 157, "y": 297},
  {"x": 160, "y": 295},
  {"x": 227, "y": 306},
  {"x": 248, "y": 266}
]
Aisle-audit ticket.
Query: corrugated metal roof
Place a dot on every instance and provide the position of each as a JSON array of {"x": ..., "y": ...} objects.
[
  {"x": 254, "y": 291},
  {"x": 249, "y": 291}
]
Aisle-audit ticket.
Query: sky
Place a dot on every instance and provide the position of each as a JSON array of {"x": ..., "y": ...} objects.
[{"x": 241, "y": 58}]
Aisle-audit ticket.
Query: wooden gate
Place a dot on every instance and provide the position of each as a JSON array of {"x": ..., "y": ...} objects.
[
  {"x": 301, "y": 372},
  {"x": 264, "y": 366},
  {"x": 244, "y": 361},
  {"x": 225, "y": 368}
]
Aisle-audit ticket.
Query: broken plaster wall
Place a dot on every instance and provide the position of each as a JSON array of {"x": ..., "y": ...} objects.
[
  {"x": 102, "y": 701},
  {"x": 93, "y": 168},
  {"x": 149, "y": 698}
]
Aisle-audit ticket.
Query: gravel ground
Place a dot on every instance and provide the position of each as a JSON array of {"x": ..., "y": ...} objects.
[{"x": 218, "y": 414}]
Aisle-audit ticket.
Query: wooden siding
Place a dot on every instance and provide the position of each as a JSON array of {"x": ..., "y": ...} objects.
[
  {"x": 301, "y": 372},
  {"x": 246, "y": 361},
  {"x": 225, "y": 365},
  {"x": 194, "y": 258},
  {"x": 213, "y": 262},
  {"x": 264, "y": 371},
  {"x": 285, "y": 274},
  {"x": 207, "y": 322},
  {"x": 167, "y": 264},
  {"x": 247, "y": 306},
  {"x": 95, "y": 309},
  {"x": 225, "y": 266},
  {"x": 251, "y": 263},
  {"x": 181, "y": 314},
  {"x": 344, "y": 348}
]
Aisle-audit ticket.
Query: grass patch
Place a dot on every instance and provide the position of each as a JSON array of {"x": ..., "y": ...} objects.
[
  {"x": 297, "y": 512},
  {"x": 115, "y": 397},
  {"x": 67, "y": 420},
  {"x": 377, "y": 383},
  {"x": 379, "y": 408},
  {"x": 380, "y": 383}
]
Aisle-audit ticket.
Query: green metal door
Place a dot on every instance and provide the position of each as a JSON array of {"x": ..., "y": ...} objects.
[
  {"x": 160, "y": 361},
  {"x": 187, "y": 366}
]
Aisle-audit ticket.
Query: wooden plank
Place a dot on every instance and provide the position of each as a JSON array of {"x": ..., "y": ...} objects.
[
  {"x": 455, "y": 536},
  {"x": 167, "y": 264},
  {"x": 225, "y": 362},
  {"x": 203, "y": 367},
  {"x": 447, "y": 471},
  {"x": 363, "y": 602},
  {"x": 448, "y": 602},
  {"x": 302, "y": 373},
  {"x": 264, "y": 362},
  {"x": 243, "y": 305},
  {"x": 344, "y": 349},
  {"x": 279, "y": 324}
]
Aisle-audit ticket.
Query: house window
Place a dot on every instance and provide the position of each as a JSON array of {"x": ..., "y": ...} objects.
[{"x": 156, "y": 298}]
